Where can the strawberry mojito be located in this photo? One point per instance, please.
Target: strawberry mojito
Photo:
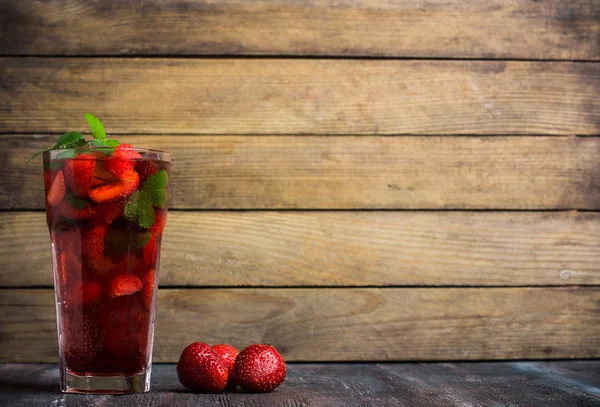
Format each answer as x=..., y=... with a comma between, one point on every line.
x=106, y=207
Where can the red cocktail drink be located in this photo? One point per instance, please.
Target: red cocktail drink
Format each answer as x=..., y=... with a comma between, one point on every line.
x=106, y=210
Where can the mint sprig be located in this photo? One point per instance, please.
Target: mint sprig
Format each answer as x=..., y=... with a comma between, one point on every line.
x=139, y=210
x=96, y=126
x=153, y=194
x=74, y=139
x=71, y=139
x=99, y=133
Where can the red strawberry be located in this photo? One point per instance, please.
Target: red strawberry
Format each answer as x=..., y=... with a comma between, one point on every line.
x=124, y=284
x=148, y=289
x=57, y=190
x=92, y=251
x=228, y=354
x=116, y=190
x=160, y=220
x=259, y=368
x=93, y=242
x=79, y=174
x=200, y=369
x=149, y=252
x=69, y=268
x=146, y=169
x=48, y=178
x=122, y=161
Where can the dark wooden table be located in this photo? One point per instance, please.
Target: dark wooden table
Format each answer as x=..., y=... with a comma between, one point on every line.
x=575, y=383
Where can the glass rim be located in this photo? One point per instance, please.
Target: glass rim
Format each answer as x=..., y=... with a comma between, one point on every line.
x=54, y=154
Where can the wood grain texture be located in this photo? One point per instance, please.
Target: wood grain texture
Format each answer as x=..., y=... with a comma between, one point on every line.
x=298, y=96
x=563, y=384
x=344, y=249
x=350, y=172
x=343, y=324
x=553, y=29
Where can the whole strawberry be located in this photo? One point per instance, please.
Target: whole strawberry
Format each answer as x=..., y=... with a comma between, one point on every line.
x=200, y=369
x=228, y=354
x=259, y=368
x=79, y=174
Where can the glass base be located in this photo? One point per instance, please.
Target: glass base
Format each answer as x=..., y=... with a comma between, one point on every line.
x=70, y=383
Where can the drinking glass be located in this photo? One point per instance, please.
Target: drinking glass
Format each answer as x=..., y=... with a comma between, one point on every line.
x=106, y=233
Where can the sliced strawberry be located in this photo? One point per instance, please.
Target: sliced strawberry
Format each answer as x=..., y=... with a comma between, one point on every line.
x=109, y=211
x=93, y=241
x=65, y=209
x=48, y=178
x=124, y=284
x=122, y=161
x=79, y=174
x=148, y=289
x=69, y=268
x=116, y=190
x=93, y=251
x=57, y=190
x=146, y=169
x=149, y=252
x=160, y=221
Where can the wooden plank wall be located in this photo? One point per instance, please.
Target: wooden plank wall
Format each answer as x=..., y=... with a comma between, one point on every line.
x=353, y=180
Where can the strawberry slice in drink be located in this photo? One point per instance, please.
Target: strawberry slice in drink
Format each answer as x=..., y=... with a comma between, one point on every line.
x=148, y=288
x=116, y=190
x=124, y=284
x=57, y=190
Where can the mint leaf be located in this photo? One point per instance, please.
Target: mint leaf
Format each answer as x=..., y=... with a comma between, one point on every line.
x=96, y=126
x=77, y=203
x=139, y=210
x=97, y=143
x=68, y=138
x=155, y=188
x=39, y=153
x=107, y=146
x=74, y=139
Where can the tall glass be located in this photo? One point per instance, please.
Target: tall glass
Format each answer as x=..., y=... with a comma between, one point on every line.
x=106, y=216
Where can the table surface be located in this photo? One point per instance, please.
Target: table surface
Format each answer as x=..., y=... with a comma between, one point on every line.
x=568, y=383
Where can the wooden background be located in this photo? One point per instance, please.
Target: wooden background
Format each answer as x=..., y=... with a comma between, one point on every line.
x=352, y=180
